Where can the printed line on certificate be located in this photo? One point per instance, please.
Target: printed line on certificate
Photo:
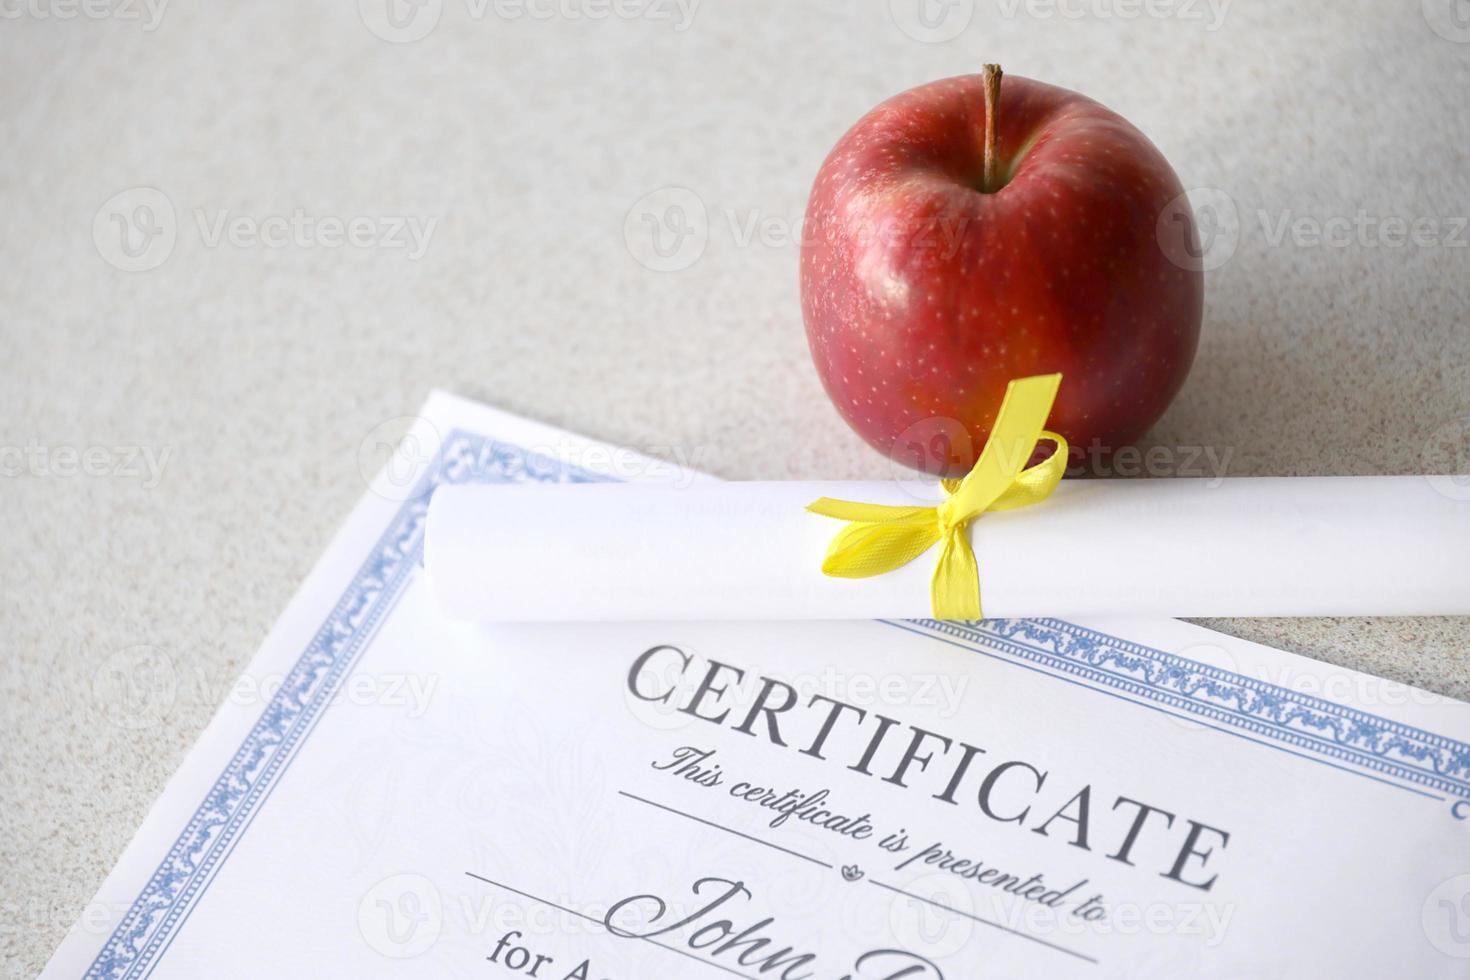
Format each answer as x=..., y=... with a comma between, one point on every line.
x=728, y=830
x=984, y=921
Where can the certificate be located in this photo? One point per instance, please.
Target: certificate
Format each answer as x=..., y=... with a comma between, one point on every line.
x=392, y=792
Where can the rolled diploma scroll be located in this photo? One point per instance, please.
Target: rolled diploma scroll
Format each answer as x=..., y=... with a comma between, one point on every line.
x=1312, y=546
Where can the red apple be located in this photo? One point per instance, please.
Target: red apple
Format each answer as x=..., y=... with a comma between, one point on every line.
x=925, y=291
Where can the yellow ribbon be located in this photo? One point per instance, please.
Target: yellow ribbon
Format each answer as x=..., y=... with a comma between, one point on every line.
x=880, y=538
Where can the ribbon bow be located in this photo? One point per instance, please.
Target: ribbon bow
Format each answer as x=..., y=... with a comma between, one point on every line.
x=880, y=538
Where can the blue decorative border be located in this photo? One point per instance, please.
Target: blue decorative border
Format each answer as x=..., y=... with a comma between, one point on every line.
x=1345, y=737
x=1402, y=753
x=150, y=924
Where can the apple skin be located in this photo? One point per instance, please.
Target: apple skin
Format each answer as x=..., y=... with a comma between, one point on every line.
x=923, y=295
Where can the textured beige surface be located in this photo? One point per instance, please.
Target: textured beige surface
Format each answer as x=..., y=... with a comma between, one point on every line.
x=263, y=371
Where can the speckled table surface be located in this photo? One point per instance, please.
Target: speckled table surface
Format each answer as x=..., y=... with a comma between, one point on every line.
x=184, y=420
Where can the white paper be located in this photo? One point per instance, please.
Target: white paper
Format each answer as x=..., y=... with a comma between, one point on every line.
x=388, y=793
x=1329, y=546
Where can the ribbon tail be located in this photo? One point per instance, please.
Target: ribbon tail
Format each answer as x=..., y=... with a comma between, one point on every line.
x=1035, y=484
x=850, y=510
x=862, y=549
x=955, y=589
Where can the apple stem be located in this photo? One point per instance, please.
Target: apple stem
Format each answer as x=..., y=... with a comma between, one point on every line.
x=991, y=179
